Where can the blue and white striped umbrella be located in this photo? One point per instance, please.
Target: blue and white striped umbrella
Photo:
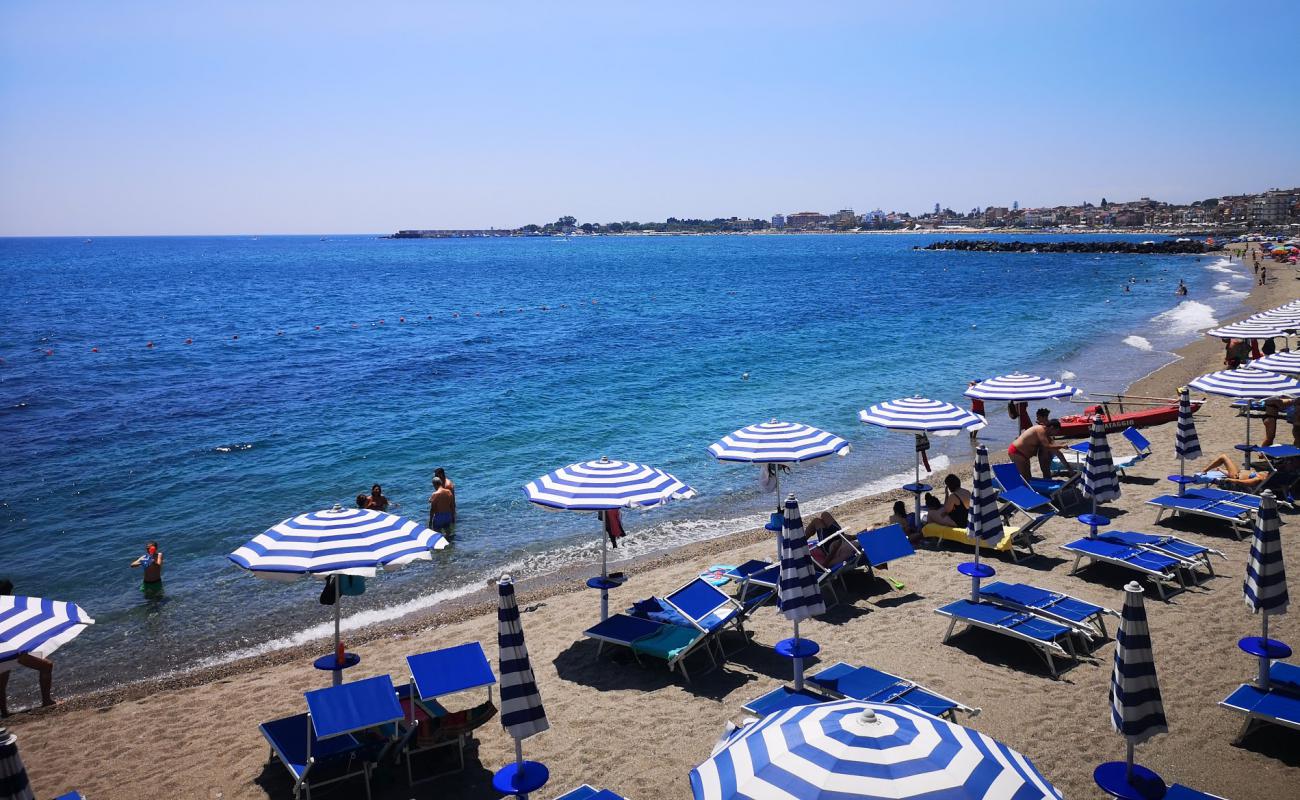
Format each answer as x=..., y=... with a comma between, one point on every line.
x=922, y=415
x=798, y=595
x=1246, y=383
x=522, y=714
x=778, y=443
x=32, y=625
x=1250, y=329
x=1265, y=584
x=1136, y=710
x=984, y=523
x=1187, y=445
x=1286, y=361
x=338, y=541
x=1018, y=386
x=850, y=749
x=605, y=484
x=1286, y=319
x=1100, y=482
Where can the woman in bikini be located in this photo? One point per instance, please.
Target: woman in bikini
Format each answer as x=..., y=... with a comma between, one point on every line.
x=955, y=512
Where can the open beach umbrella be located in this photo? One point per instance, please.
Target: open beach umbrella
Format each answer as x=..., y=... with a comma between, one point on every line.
x=1100, y=482
x=522, y=714
x=921, y=416
x=1248, y=329
x=1136, y=709
x=1186, y=443
x=35, y=626
x=1284, y=362
x=602, y=486
x=984, y=522
x=1246, y=383
x=851, y=749
x=778, y=443
x=335, y=542
x=1018, y=387
x=13, y=775
x=1265, y=584
x=797, y=593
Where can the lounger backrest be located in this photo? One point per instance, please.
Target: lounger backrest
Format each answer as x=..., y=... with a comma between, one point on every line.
x=1140, y=443
x=885, y=544
x=1008, y=477
x=354, y=706
x=450, y=670
x=702, y=603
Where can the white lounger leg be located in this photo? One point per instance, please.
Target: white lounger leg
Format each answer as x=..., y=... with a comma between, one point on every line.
x=948, y=635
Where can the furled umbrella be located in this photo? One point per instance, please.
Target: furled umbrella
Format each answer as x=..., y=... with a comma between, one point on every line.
x=983, y=523
x=775, y=445
x=337, y=542
x=1187, y=445
x=14, y=784
x=1265, y=584
x=604, y=486
x=1018, y=387
x=522, y=714
x=1100, y=481
x=851, y=749
x=1136, y=709
x=921, y=416
x=798, y=594
x=1246, y=383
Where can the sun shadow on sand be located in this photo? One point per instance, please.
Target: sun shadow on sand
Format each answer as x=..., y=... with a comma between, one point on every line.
x=1274, y=741
x=992, y=648
x=615, y=668
x=899, y=600
x=1202, y=526
x=1140, y=480
x=1117, y=578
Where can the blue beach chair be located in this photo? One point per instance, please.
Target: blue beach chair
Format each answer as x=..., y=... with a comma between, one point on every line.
x=709, y=609
x=754, y=574
x=1048, y=638
x=585, y=792
x=841, y=680
x=435, y=675
x=1278, y=705
x=324, y=739
x=666, y=642
x=883, y=546
x=1018, y=494
x=1191, y=554
x=1177, y=791
x=1086, y=618
x=1239, y=517
x=783, y=698
x=1160, y=569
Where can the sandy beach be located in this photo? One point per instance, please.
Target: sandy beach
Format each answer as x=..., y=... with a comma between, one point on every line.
x=639, y=730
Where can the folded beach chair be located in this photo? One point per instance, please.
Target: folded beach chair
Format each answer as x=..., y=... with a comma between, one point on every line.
x=1278, y=705
x=644, y=637
x=1191, y=554
x=439, y=674
x=1045, y=636
x=1086, y=618
x=1078, y=453
x=754, y=575
x=1239, y=517
x=842, y=680
x=321, y=746
x=881, y=547
x=1160, y=569
x=585, y=792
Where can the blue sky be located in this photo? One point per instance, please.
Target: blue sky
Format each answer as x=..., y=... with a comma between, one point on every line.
x=172, y=118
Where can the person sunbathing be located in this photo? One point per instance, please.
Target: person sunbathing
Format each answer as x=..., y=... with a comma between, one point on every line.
x=955, y=511
x=1225, y=470
x=819, y=526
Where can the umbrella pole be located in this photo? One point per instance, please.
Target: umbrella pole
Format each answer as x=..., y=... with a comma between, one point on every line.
x=1263, y=660
x=1128, y=770
x=338, y=616
x=519, y=762
x=1182, y=474
x=916, y=495
x=604, y=575
x=975, y=579
x=798, y=662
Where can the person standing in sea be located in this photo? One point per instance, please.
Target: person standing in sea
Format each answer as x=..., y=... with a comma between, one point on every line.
x=441, y=518
x=449, y=486
x=152, y=561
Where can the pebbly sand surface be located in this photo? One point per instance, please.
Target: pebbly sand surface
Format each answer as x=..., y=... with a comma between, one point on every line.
x=639, y=730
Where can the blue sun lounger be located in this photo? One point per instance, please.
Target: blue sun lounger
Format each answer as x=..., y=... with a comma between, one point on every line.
x=1278, y=705
x=585, y=792
x=754, y=574
x=1088, y=619
x=709, y=609
x=1177, y=791
x=1141, y=452
x=783, y=698
x=1045, y=636
x=1018, y=494
x=1191, y=554
x=668, y=643
x=1161, y=569
x=1238, y=517
x=325, y=737
x=841, y=680
x=438, y=674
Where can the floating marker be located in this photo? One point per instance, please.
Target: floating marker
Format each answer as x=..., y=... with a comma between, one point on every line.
x=279, y=333
x=401, y=319
x=317, y=327
x=149, y=345
x=189, y=341
x=49, y=352
x=94, y=349
x=236, y=336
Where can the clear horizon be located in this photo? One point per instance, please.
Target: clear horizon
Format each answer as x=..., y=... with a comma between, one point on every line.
x=244, y=119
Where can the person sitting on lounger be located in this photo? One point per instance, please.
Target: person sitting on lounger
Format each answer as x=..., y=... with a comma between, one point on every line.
x=819, y=526
x=1037, y=442
x=904, y=520
x=955, y=511
x=1225, y=470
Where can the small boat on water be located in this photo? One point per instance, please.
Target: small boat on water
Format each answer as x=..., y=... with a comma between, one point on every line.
x=1115, y=418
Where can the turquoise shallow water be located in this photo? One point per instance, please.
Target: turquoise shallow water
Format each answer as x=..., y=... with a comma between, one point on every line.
x=362, y=360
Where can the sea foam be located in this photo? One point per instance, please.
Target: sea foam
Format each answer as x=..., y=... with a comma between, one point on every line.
x=1188, y=316
x=1225, y=288
x=1138, y=342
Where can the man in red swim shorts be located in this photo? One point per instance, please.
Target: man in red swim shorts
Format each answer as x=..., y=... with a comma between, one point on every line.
x=1036, y=441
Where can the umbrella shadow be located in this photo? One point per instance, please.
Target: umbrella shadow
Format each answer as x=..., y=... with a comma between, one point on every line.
x=1273, y=741
x=842, y=613
x=762, y=659
x=474, y=781
x=1141, y=480
x=899, y=600
x=1042, y=562
x=617, y=668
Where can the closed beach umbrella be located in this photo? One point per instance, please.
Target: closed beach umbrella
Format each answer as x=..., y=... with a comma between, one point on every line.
x=1246, y=383
x=602, y=486
x=1186, y=443
x=38, y=627
x=13, y=775
x=522, y=714
x=851, y=749
x=1018, y=387
x=1136, y=710
x=1265, y=584
x=335, y=542
x=984, y=523
x=778, y=443
x=1100, y=482
x=921, y=416
x=797, y=593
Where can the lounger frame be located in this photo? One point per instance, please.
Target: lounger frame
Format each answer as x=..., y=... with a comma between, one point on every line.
x=677, y=662
x=1160, y=580
x=1095, y=629
x=1043, y=648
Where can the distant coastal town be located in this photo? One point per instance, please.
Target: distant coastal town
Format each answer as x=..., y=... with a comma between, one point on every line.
x=1273, y=210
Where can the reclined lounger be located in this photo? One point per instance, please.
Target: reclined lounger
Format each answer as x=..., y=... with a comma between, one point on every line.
x=1279, y=705
x=1086, y=618
x=1160, y=569
x=1011, y=535
x=1238, y=517
x=874, y=686
x=1044, y=635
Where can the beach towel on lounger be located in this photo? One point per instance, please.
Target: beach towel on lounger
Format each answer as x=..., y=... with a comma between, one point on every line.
x=666, y=643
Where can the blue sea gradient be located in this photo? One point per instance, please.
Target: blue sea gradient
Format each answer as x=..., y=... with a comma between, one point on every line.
x=362, y=360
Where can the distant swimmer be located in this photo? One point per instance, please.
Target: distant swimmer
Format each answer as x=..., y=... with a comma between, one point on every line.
x=1126, y=289
x=152, y=561
x=377, y=501
x=1181, y=291
x=744, y=376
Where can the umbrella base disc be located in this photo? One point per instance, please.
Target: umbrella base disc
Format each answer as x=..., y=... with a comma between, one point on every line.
x=1112, y=778
x=1264, y=648
x=973, y=570
x=330, y=662
x=797, y=648
x=917, y=488
x=521, y=778
x=1093, y=520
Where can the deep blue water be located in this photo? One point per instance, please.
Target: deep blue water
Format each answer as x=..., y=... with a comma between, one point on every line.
x=514, y=357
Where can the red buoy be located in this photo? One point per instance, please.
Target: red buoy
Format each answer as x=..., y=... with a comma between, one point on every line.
x=149, y=345
x=317, y=327
x=49, y=352
x=94, y=349
x=189, y=341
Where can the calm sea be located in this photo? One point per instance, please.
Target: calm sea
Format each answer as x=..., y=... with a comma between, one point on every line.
x=361, y=360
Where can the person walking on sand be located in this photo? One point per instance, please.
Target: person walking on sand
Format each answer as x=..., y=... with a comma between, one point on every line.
x=440, y=505
x=449, y=486
x=43, y=666
x=1037, y=442
x=152, y=561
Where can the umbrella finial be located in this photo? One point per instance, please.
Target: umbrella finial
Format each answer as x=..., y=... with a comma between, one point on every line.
x=604, y=459
x=1133, y=586
x=505, y=578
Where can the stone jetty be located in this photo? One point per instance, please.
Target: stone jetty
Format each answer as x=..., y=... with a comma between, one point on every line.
x=1166, y=247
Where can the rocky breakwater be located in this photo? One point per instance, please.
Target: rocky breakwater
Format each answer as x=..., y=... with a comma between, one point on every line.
x=1168, y=247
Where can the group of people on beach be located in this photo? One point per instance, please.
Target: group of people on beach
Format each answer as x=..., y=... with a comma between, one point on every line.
x=442, y=502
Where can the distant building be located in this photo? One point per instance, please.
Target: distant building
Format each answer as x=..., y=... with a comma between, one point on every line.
x=845, y=216
x=806, y=219
x=1038, y=218
x=996, y=215
x=1270, y=208
x=873, y=217
x=778, y=220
